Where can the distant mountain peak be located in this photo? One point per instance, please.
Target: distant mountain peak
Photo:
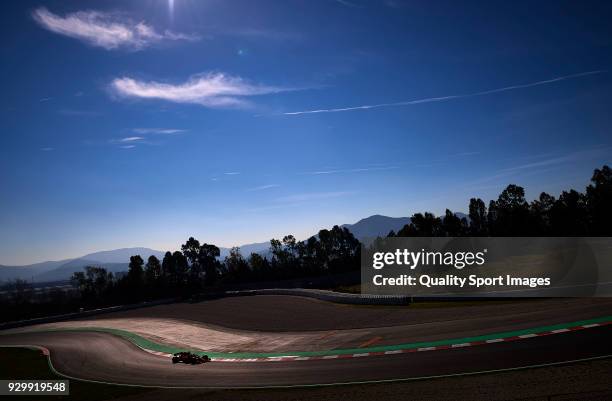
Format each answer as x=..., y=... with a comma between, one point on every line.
x=122, y=255
x=376, y=225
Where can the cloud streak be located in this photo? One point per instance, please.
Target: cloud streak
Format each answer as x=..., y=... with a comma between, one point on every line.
x=571, y=157
x=128, y=142
x=446, y=98
x=131, y=139
x=351, y=170
x=106, y=30
x=212, y=90
x=159, y=131
x=263, y=187
x=543, y=165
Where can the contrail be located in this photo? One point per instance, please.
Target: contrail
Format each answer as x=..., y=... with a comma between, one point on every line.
x=444, y=98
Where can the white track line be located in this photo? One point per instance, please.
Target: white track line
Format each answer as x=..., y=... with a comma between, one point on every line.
x=287, y=358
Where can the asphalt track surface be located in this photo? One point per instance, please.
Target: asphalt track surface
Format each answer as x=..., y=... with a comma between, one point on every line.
x=107, y=358
x=289, y=324
x=281, y=313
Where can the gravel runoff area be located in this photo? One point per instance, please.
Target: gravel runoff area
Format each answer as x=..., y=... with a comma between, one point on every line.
x=209, y=326
x=291, y=313
x=193, y=335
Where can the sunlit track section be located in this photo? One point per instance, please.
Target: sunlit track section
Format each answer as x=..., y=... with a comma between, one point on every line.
x=409, y=348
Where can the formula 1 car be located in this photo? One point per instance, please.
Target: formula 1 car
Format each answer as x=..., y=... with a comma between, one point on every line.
x=189, y=358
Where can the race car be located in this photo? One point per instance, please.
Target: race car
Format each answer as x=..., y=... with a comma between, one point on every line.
x=189, y=358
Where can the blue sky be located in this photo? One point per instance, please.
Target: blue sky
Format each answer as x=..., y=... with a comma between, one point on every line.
x=140, y=123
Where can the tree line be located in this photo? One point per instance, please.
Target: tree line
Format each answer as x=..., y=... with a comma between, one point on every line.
x=197, y=267
x=573, y=213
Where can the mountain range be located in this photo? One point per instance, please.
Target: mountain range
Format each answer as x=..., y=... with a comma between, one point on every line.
x=117, y=260
x=366, y=230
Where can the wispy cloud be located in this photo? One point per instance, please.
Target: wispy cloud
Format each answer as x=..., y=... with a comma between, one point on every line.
x=351, y=170
x=209, y=90
x=544, y=164
x=446, y=98
x=568, y=158
x=263, y=187
x=232, y=173
x=45, y=99
x=160, y=131
x=107, y=30
x=47, y=149
x=145, y=137
x=131, y=139
x=312, y=196
x=128, y=142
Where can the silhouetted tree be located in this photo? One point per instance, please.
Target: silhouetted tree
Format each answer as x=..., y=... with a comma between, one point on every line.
x=133, y=282
x=540, y=212
x=312, y=257
x=599, y=199
x=569, y=215
x=339, y=249
x=180, y=268
x=478, y=217
x=153, y=269
x=135, y=274
x=452, y=225
x=260, y=266
x=208, y=259
x=192, y=251
x=95, y=284
x=422, y=225
x=153, y=272
x=168, y=271
x=236, y=267
x=511, y=212
x=174, y=270
x=491, y=216
x=282, y=257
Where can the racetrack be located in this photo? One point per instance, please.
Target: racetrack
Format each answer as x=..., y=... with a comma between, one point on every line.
x=102, y=356
x=107, y=358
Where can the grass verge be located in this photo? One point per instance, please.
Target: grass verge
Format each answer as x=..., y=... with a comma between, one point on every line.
x=31, y=364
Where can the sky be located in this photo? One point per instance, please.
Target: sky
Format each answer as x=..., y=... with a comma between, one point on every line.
x=141, y=123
